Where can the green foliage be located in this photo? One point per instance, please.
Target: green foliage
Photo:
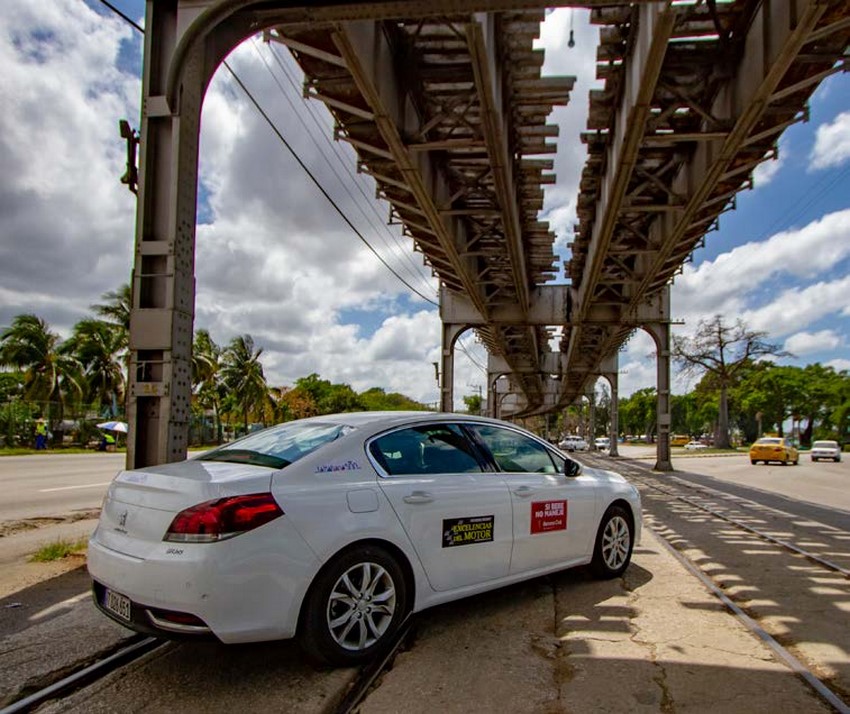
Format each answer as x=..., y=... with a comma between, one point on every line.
x=58, y=549
x=473, y=403
x=376, y=399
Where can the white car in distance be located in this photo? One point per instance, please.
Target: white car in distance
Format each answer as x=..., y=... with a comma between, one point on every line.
x=602, y=443
x=573, y=443
x=333, y=529
x=826, y=450
x=695, y=446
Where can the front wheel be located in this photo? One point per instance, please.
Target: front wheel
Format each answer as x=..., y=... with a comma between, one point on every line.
x=614, y=542
x=753, y=462
x=354, y=607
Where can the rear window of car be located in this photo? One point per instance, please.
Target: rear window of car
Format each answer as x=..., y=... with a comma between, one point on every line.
x=280, y=445
x=769, y=441
x=825, y=445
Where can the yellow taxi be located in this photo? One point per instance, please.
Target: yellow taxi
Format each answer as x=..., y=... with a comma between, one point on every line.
x=774, y=448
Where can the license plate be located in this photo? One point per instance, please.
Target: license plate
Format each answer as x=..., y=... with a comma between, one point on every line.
x=117, y=604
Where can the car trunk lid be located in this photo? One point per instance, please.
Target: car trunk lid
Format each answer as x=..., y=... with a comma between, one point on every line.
x=140, y=504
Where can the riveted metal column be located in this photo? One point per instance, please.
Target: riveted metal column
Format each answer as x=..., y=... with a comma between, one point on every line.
x=447, y=365
x=611, y=372
x=163, y=280
x=660, y=332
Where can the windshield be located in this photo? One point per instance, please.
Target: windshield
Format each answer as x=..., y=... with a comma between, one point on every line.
x=278, y=446
x=769, y=441
x=825, y=444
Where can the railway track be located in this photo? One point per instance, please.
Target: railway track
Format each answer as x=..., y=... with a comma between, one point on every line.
x=140, y=647
x=771, y=568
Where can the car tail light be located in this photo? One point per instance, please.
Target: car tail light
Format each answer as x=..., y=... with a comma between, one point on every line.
x=222, y=518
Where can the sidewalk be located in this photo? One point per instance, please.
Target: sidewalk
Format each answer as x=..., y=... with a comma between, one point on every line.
x=653, y=641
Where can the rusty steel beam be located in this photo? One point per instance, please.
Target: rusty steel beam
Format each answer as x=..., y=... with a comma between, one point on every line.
x=779, y=31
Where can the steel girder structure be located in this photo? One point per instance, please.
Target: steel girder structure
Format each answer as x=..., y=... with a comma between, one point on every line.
x=696, y=96
x=448, y=132
x=448, y=115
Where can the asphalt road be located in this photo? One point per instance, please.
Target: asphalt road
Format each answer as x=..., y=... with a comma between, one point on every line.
x=54, y=484
x=825, y=485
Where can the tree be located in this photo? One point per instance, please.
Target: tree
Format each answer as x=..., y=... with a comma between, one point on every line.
x=100, y=349
x=638, y=413
x=473, y=403
x=50, y=375
x=207, y=376
x=722, y=351
x=242, y=374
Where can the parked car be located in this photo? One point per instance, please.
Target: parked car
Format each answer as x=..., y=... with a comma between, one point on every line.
x=826, y=450
x=332, y=529
x=573, y=443
x=602, y=443
x=695, y=446
x=774, y=448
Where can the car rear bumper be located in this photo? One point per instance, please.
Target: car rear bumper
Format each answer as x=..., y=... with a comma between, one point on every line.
x=240, y=592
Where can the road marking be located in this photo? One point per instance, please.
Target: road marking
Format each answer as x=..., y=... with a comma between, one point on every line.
x=69, y=488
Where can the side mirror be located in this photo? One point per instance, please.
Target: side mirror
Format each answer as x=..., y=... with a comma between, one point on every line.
x=572, y=468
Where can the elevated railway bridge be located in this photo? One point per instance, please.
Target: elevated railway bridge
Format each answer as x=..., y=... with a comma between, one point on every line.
x=445, y=105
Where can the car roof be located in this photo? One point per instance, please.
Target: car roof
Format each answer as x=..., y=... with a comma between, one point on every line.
x=382, y=419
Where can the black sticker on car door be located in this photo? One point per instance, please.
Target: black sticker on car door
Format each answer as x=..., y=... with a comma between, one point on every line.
x=467, y=531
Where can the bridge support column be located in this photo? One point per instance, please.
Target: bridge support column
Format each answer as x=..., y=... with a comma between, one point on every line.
x=451, y=332
x=660, y=332
x=611, y=372
x=591, y=417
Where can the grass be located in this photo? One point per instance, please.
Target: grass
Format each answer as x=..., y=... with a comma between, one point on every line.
x=58, y=549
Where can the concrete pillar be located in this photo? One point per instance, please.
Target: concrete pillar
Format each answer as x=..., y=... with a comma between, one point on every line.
x=591, y=419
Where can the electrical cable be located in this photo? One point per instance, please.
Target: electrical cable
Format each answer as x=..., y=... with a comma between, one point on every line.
x=319, y=186
x=298, y=159
x=399, y=250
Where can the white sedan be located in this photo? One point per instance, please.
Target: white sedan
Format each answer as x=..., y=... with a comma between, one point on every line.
x=695, y=446
x=333, y=529
x=826, y=449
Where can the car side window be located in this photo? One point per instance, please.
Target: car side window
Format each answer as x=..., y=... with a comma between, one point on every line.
x=427, y=449
x=515, y=452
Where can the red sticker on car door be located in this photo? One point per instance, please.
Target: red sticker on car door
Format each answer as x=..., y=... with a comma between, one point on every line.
x=548, y=516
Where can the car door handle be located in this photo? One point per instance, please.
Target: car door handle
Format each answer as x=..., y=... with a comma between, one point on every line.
x=523, y=491
x=418, y=497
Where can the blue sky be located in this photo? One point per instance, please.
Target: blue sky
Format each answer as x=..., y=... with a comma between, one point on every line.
x=274, y=260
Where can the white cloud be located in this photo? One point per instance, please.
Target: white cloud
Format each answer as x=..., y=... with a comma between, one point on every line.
x=803, y=343
x=724, y=285
x=796, y=308
x=839, y=364
x=766, y=171
x=67, y=222
x=832, y=143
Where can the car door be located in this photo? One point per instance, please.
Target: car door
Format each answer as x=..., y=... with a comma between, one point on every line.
x=554, y=515
x=455, y=510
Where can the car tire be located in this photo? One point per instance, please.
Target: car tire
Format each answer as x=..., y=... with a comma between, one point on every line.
x=814, y=459
x=333, y=630
x=614, y=542
x=753, y=462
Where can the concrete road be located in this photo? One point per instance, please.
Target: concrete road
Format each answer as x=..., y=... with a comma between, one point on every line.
x=47, y=485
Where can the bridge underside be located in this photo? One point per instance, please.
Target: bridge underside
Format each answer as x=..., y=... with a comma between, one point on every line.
x=446, y=108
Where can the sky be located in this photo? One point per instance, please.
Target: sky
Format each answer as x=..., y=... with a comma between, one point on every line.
x=276, y=261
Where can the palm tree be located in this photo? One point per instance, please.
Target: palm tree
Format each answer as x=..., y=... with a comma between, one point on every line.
x=50, y=374
x=242, y=374
x=100, y=349
x=206, y=375
x=116, y=313
x=117, y=310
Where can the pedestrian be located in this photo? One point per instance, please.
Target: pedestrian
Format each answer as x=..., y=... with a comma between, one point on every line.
x=40, y=435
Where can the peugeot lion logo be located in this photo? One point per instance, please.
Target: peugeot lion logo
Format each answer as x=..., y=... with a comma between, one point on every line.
x=122, y=519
